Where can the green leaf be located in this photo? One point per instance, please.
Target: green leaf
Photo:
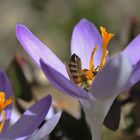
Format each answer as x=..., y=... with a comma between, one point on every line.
x=20, y=84
x=112, y=119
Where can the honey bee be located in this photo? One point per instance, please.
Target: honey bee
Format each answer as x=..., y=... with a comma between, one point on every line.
x=77, y=75
x=75, y=70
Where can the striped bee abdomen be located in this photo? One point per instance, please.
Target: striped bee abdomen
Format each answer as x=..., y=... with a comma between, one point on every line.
x=75, y=69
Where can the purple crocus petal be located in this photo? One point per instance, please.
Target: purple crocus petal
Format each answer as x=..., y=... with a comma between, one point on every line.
x=20, y=138
x=31, y=119
x=62, y=83
x=133, y=49
x=47, y=128
x=106, y=86
x=135, y=76
x=85, y=37
x=113, y=77
x=5, y=86
x=37, y=50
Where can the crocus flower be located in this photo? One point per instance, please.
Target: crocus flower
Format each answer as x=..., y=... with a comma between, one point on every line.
x=27, y=125
x=104, y=78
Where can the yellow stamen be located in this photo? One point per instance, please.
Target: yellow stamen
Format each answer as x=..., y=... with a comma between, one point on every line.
x=91, y=64
x=3, y=104
x=106, y=38
x=3, y=120
x=89, y=74
x=8, y=102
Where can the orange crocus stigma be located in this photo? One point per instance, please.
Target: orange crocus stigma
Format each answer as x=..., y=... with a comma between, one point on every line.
x=106, y=37
x=3, y=104
x=90, y=73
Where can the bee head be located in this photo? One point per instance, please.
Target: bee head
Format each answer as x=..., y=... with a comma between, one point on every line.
x=74, y=58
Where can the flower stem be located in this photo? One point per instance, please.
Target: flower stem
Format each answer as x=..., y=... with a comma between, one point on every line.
x=95, y=125
x=94, y=122
x=96, y=131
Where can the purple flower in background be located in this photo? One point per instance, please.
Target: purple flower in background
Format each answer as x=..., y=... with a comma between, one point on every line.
x=27, y=126
x=98, y=79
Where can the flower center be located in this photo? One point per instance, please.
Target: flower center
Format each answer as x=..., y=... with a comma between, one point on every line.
x=3, y=104
x=85, y=77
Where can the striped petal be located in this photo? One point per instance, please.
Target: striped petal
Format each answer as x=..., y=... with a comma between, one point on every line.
x=133, y=50
x=135, y=76
x=62, y=83
x=85, y=38
x=112, y=79
x=47, y=128
x=31, y=119
x=37, y=50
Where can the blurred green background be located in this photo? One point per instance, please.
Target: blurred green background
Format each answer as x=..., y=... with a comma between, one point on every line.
x=52, y=21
